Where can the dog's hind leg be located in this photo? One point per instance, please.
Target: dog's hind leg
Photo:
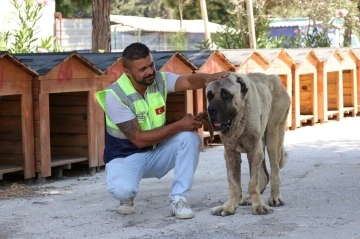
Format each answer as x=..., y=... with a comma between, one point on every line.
x=256, y=156
x=275, y=148
x=264, y=175
x=233, y=168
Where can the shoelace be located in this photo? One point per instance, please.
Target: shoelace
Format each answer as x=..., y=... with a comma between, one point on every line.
x=181, y=204
x=128, y=203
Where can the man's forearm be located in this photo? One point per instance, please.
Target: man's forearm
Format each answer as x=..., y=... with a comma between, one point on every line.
x=197, y=80
x=155, y=136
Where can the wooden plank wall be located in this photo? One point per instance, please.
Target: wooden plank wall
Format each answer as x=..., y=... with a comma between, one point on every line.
x=68, y=125
x=11, y=147
x=332, y=90
x=348, y=87
x=175, y=106
x=306, y=94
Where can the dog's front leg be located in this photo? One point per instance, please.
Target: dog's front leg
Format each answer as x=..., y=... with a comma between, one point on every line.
x=256, y=156
x=233, y=168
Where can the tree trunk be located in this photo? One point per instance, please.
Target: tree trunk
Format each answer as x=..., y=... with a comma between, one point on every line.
x=205, y=18
x=244, y=37
x=251, y=24
x=181, y=14
x=101, y=26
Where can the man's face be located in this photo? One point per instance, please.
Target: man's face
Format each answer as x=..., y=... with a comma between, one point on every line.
x=142, y=71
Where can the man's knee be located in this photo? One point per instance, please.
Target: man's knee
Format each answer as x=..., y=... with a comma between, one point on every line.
x=190, y=137
x=122, y=192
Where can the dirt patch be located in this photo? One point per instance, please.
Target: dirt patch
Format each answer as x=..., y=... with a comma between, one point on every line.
x=16, y=190
x=19, y=190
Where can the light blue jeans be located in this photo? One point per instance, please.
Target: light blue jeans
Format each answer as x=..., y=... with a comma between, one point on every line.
x=180, y=151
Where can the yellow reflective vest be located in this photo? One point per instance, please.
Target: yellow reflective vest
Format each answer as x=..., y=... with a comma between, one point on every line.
x=150, y=111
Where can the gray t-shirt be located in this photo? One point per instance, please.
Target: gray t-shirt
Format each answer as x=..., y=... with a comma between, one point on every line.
x=118, y=113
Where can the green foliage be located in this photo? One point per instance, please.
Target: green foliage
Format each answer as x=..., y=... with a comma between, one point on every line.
x=24, y=39
x=332, y=14
x=217, y=10
x=205, y=45
x=264, y=40
x=49, y=43
x=179, y=41
x=4, y=39
x=141, y=8
x=316, y=39
x=229, y=38
x=74, y=8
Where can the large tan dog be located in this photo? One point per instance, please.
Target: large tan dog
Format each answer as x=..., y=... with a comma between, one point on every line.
x=250, y=112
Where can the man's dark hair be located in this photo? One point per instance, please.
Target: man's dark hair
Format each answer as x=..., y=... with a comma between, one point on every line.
x=134, y=51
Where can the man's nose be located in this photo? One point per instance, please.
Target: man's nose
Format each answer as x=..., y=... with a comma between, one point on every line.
x=150, y=70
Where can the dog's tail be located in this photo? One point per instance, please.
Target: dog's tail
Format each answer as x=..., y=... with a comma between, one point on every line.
x=283, y=157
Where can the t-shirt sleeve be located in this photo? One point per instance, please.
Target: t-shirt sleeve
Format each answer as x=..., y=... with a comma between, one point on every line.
x=116, y=111
x=171, y=79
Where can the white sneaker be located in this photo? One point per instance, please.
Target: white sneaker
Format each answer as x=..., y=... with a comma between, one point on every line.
x=127, y=207
x=180, y=209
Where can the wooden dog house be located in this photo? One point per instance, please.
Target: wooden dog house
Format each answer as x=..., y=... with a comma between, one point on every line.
x=280, y=63
x=246, y=60
x=357, y=53
x=16, y=117
x=111, y=66
x=304, y=81
x=64, y=111
x=330, y=84
x=349, y=76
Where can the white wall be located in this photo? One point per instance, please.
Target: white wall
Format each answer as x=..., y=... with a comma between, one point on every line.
x=74, y=34
x=9, y=20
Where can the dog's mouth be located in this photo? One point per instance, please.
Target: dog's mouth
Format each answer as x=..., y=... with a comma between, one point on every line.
x=217, y=126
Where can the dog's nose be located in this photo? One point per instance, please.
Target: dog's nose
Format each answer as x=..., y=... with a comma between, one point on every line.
x=212, y=109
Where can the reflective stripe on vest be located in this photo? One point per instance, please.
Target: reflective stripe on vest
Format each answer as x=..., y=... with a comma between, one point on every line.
x=149, y=112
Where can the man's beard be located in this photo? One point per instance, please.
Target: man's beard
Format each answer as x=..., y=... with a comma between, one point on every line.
x=147, y=80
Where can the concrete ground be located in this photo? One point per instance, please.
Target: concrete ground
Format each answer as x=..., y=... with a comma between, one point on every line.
x=320, y=186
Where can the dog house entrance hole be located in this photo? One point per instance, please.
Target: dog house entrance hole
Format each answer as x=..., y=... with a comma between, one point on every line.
x=69, y=128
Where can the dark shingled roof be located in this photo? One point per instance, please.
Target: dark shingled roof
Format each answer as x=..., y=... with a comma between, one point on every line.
x=198, y=58
x=103, y=61
x=236, y=56
x=269, y=54
x=299, y=55
x=162, y=57
x=324, y=53
x=43, y=63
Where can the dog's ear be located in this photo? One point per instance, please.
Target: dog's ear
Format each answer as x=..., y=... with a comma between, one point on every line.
x=244, y=89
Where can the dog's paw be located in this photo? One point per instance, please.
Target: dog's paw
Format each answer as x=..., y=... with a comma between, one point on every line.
x=222, y=210
x=261, y=209
x=246, y=201
x=276, y=201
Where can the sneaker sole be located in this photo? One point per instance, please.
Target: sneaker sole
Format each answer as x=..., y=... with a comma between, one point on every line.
x=125, y=212
x=189, y=216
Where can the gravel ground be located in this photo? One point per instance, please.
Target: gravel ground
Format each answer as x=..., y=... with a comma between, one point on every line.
x=319, y=185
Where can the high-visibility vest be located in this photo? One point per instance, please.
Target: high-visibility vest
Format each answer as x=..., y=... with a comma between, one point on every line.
x=150, y=111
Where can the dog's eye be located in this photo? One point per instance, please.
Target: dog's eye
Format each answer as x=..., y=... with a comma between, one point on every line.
x=210, y=95
x=225, y=95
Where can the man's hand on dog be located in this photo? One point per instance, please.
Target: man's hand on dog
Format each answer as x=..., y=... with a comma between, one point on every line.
x=216, y=76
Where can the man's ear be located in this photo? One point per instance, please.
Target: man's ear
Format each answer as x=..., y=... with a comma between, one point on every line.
x=126, y=71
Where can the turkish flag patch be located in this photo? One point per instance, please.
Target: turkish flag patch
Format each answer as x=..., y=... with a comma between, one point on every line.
x=160, y=110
